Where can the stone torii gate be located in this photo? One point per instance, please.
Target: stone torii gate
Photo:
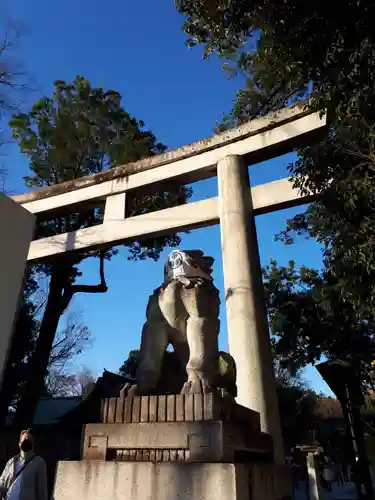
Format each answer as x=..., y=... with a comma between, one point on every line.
x=226, y=156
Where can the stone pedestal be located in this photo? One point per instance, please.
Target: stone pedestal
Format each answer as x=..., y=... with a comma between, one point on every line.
x=101, y=480
x=150, y=481
x=196, y=447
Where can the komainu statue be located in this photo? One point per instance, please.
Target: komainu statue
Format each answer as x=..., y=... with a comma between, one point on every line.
x=184, y=312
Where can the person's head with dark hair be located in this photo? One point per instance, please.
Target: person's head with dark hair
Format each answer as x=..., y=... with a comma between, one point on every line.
x=26, y=441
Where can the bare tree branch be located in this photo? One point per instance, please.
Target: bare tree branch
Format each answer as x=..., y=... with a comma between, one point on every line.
x=61, y=383
x=70, y=290
x=13, y=79
x=70, y=341
x=100, y=288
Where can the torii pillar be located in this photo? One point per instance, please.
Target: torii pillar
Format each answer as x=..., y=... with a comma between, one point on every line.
x=16, y=230
x=247, y=324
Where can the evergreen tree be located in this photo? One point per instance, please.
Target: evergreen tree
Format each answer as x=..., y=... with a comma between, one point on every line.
x=80, y=131
x=325, y=51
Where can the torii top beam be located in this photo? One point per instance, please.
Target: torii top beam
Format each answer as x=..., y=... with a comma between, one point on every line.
x=256, y=141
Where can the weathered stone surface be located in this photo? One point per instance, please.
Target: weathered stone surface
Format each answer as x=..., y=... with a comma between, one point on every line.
x=112, y=403
x=198, y=406
x=208, y=441
x=170, y=481
x=179, y=408
x=267, y=198
x=97, y=446
x=162, y=408
x=248, y=332
x=119, y=415
x=270, y=482
x=128, y=410
x=136, y=413
x=151, y=481
x=171, y=408
x=16, y=228
x=189, y=407
x=260, y=125
x=153, y=409
x=145, y=409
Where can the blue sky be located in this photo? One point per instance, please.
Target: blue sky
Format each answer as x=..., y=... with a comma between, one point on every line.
x=138, y=48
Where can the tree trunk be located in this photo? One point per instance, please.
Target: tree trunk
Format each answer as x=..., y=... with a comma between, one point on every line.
x=8, y=385
x=37, y=367
x=20, y=347
x=11, y=381
x=60, y=294
x=7, y=392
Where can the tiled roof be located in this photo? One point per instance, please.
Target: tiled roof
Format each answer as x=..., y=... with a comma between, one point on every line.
x=49, y=410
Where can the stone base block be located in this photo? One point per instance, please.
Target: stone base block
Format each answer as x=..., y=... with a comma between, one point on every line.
x=178, y=408
x=204, y=441
x=100, y=480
